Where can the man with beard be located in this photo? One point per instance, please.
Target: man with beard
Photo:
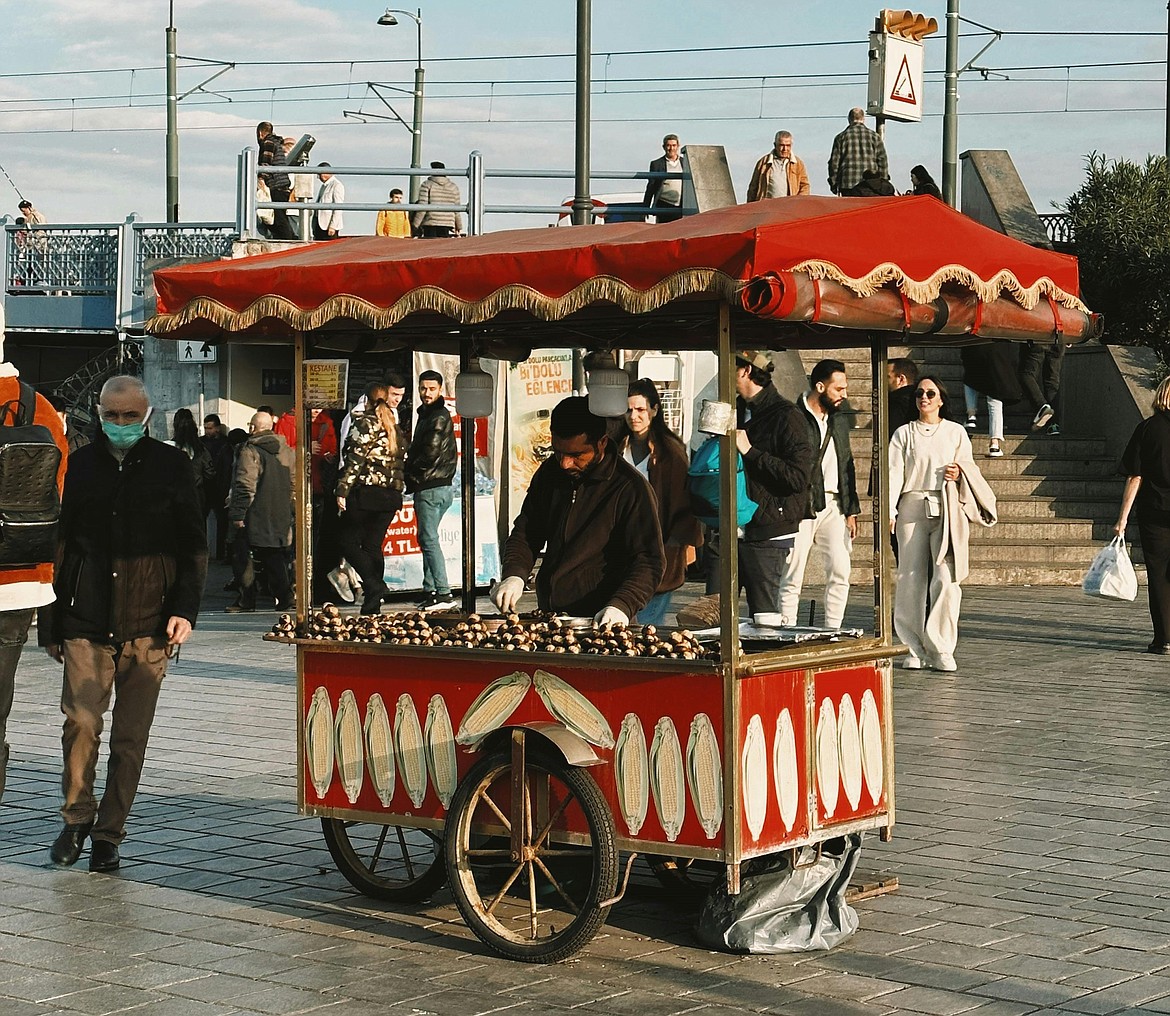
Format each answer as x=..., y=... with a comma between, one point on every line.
x=833, y=503
x=594, y=517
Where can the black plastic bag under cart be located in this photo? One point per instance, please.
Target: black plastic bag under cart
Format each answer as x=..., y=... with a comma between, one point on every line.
x=781, y=909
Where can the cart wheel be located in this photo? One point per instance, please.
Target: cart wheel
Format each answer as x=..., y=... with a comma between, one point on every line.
x=387, y=862
x=545, y=906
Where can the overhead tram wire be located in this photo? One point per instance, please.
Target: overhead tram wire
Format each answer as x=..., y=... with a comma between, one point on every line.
x=770, y=82
x=544, y=121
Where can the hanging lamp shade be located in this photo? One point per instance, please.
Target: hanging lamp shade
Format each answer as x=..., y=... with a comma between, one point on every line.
x=609, y=386
x=475, y=391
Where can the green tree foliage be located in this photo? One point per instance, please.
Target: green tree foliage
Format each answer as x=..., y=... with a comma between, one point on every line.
x=1121, y=221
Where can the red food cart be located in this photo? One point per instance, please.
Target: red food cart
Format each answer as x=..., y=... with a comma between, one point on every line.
x=523, y=775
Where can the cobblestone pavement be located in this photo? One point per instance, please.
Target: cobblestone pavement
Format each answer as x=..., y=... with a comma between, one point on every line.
x=1031, y=847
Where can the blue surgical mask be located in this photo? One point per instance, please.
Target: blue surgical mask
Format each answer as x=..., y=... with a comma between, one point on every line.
x=125, y=436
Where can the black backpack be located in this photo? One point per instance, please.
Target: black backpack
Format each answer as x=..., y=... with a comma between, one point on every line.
x=30, y=507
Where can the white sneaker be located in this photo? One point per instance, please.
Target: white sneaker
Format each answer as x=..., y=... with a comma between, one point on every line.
x=972, y=423
x=946, y=663
x=355, y=580
x=911, y=662
x=1043, y=415
x=340, y=581
x=995, y=452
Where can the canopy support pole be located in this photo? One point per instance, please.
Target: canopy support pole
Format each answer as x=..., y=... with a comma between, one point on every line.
x=467, y=478
x=729, y=602
x=883, y=606
x=302, y=499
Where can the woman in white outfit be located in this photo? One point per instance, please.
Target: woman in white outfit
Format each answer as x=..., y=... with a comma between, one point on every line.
x=924, y=454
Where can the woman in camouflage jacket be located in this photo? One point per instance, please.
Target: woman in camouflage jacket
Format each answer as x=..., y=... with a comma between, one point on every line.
x=369, y=493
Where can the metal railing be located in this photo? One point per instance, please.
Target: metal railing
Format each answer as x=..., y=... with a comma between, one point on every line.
x=61, y=260
x=156, y=243
x=1059, y=227
x=475, y=174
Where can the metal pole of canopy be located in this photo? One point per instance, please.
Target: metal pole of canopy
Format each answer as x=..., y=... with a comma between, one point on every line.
x=729, y=601
x=301, y=498
x=467, y=477
x=883, y=605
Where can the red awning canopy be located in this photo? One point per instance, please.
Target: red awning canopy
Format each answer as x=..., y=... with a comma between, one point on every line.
x=861, y=263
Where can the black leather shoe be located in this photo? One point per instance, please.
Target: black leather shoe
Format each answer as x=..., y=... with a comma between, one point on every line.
x=66, y=848
x=103, y=856
x=1159, y=648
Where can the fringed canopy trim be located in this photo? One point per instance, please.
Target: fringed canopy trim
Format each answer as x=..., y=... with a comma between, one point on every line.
x=927, y=290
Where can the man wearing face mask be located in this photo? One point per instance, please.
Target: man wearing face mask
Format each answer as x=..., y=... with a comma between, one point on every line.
x=132, y=566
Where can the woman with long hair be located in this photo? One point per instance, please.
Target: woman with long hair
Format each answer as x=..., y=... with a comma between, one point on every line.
x=185, y=436
x=924, y=454
x=1146, y=465
x=369, y=493
x=922, y=182
x=659, y=454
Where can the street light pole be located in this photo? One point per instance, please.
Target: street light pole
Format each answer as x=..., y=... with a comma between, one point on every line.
x=417, y=121
x=172, y=120
x=951, y=109
x=582, y=202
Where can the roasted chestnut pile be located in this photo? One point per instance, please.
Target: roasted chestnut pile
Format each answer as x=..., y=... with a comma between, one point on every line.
x=543, y=634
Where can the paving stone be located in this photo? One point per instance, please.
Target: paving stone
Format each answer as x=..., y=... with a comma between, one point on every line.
x=931, y=1000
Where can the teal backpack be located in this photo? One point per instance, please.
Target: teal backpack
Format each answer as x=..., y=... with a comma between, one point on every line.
x=703, y=486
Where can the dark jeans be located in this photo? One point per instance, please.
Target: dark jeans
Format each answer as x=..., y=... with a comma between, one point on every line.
x=275, y=563
x=761, y=566
x=436, y=232
x=1154, y=530
x=13, y=632
x=666, y=213
x=1040, y=364
x=282, y=228
x=360, y=537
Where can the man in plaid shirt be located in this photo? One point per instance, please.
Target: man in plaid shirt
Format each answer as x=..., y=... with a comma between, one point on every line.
x=855, y=150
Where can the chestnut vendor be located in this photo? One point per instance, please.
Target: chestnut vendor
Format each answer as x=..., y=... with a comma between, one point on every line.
x=593, y=515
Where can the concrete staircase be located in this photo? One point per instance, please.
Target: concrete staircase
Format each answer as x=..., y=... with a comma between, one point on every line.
x=1057, y=497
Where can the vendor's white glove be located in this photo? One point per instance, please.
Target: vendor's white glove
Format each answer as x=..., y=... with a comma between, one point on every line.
x=506, y=594
x=610, y=615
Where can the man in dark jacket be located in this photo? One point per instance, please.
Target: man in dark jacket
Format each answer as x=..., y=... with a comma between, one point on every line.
x=262, y=506
x=833, y=502
x=594, y=516
x=777, y=461
x=430, y=467
x=663, y=195
x=133, y=561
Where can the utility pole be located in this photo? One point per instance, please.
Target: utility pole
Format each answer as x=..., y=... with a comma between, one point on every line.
x=417, y=125
x=951, y=109
x=1168, y=81
x=172, y=120
x=582, y=202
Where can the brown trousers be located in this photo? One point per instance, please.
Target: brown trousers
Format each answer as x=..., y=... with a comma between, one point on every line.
x=133, y=672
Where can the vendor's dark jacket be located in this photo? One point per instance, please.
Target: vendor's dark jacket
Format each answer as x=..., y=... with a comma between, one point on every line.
x=601, y=538
x=777, y=466
x=133, y=548
x=432, y=455
x=839, y=428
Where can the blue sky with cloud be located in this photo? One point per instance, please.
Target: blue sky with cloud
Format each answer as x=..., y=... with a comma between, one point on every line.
x=90, y=146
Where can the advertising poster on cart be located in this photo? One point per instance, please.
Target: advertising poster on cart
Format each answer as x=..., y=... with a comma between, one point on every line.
x=534, y=388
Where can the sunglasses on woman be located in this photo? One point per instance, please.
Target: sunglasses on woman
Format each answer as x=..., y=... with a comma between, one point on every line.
x=925, y=393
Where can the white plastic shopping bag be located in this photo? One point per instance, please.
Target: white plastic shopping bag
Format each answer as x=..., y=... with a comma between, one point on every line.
x=1111, y=574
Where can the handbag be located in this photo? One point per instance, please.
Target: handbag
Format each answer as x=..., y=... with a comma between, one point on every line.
x=1111, y=574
